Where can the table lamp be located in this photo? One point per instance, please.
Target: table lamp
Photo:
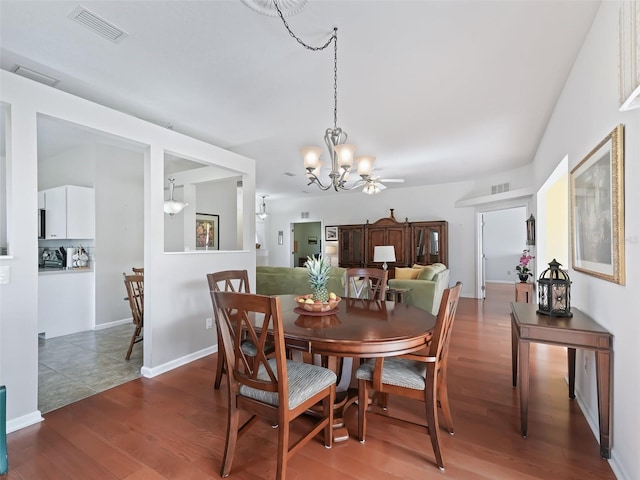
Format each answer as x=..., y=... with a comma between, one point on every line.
x=384, y=254
x=330, y=251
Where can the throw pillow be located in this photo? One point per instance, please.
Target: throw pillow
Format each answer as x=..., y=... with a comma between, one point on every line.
x=427, y=273
x=407, y=273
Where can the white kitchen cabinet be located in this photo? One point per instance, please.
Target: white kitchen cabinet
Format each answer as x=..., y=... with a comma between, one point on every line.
x=66, y=302
x=70, y=212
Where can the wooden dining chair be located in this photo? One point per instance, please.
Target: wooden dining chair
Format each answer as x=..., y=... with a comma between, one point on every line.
x=134, y=285
x=368, y=283
x=227, y=281
x=416, y=376
x=275, y=388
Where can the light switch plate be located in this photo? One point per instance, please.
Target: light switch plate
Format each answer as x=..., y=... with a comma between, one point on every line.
x=5, y=275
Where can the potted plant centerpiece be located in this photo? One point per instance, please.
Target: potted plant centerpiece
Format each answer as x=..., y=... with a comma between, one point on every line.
x=524, y=272
x=320, y=300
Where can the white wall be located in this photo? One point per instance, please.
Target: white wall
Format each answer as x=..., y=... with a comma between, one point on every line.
x=177, y=300
x=219, y=198
x=504, y=239
x=586, y=112
x=119, y=193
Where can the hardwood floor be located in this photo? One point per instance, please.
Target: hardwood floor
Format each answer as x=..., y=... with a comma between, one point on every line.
x=173, y=426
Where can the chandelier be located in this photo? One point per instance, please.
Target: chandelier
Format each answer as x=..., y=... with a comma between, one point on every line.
x=340, y=152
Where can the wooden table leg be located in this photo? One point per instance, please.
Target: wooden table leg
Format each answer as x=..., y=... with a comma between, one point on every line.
x=604, y=375
x=523, y=353
x=571, y=360
x=514, y=353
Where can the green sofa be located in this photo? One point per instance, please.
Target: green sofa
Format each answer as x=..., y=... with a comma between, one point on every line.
x=426, y=290
x=294, y=281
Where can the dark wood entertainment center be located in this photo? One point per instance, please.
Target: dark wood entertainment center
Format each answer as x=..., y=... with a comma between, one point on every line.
x=415, y=242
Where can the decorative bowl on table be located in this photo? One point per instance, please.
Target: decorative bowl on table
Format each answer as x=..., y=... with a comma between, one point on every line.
x=302, y=301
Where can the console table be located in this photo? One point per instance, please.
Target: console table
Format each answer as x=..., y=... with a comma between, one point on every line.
x=579, y=331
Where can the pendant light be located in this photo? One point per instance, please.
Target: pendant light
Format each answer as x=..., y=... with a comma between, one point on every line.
x=172, y=206
x=262, y=213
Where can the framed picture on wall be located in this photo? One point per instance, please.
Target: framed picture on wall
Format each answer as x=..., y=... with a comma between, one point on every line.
x=331, y=234
x=597, y=210
x=207, y=231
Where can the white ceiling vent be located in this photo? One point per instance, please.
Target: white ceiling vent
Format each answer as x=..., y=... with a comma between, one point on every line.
x=98, y=24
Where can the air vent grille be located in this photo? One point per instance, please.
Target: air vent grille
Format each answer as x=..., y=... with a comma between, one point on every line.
x=98, y=24
x=37, y=76
x=500, y=188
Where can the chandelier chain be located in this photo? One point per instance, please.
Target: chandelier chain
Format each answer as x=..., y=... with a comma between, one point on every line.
x=334, y=39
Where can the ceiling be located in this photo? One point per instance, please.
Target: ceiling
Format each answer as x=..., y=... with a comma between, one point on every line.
x=438, y=91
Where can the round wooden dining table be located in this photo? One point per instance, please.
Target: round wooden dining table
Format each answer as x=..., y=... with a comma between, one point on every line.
x=358, y=328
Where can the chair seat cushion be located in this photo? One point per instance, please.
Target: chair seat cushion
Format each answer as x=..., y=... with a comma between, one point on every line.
x=396, y=371
x=304, y=381
x=249, y=348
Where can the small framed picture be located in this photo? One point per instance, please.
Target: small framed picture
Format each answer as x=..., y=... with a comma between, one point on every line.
x=312, y=240
x=331, y=234
x=207, y=232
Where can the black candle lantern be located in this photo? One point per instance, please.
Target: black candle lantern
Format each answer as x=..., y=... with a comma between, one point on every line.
x=531, y=230
x=554, y=291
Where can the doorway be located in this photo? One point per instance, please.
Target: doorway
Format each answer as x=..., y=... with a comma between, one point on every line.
x=307, y=242
x=501, y=239
x=84, y=321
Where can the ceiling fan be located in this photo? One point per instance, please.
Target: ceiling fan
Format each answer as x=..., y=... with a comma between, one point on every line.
x=373, y=184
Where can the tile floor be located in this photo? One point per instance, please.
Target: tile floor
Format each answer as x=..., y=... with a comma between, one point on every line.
x=76, y=366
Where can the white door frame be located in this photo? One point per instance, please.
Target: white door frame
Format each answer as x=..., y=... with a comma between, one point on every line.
x=480, y=211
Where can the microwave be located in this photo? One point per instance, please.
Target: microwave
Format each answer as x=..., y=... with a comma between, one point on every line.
x=41, y=223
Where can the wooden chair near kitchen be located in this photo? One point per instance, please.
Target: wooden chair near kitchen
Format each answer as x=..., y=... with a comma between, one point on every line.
x=135, y=294
x=138, y=270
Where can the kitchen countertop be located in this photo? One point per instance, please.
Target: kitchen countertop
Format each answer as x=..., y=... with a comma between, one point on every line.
x=53, y=270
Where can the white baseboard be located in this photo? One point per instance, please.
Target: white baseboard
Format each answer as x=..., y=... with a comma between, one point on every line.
x=115, y=323
x=178, y=362
x=24, y=421
x=592, y=420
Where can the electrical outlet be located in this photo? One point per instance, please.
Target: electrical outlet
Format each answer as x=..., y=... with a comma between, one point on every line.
x=208, y=322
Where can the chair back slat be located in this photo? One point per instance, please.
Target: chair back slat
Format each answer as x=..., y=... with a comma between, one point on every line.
x=256, y=318
x=368, y=283
x=439, y=346
x=229, y=281
x=135, y=294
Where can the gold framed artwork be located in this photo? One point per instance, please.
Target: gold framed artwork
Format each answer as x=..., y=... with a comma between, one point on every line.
x=629, y=51
x=597, y=210
x=207, y=232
